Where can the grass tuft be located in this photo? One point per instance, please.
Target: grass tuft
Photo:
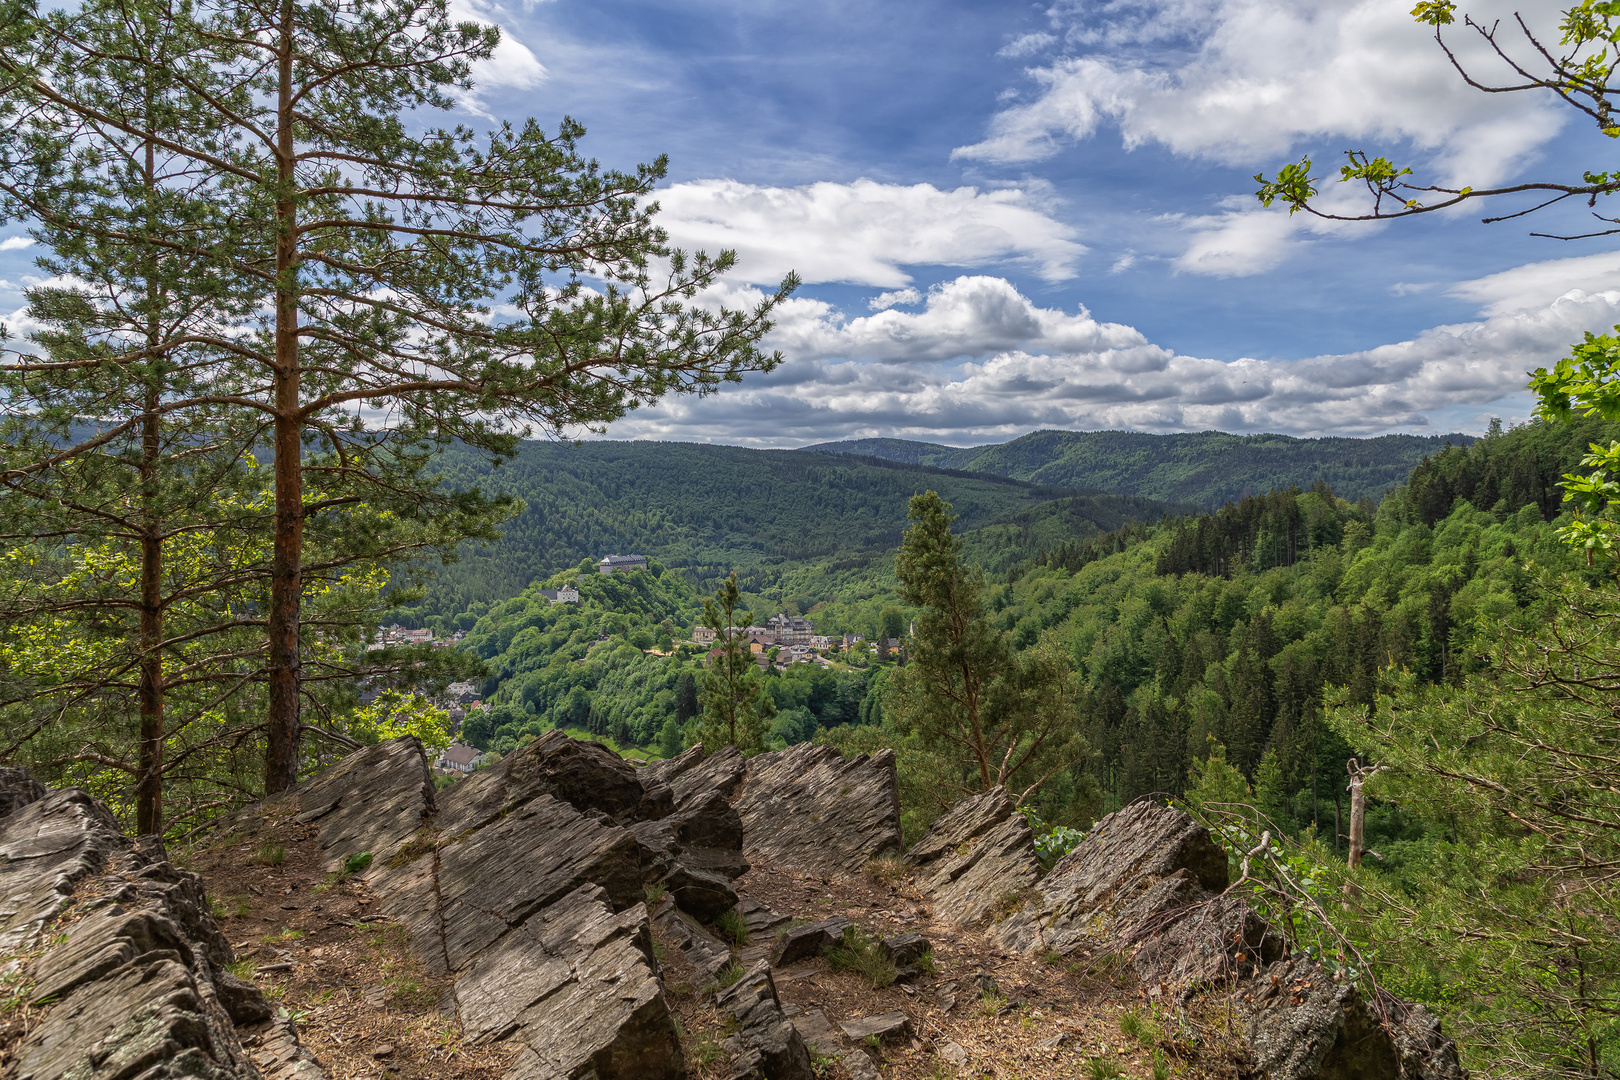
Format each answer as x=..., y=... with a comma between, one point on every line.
x=1141, y=1028
x=861, y=953
x=1102, y=1069
x=270, y=853
x=730, y=974
x=732, y=927
x=890, y=870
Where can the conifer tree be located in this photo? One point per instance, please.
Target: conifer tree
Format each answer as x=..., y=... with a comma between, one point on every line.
x=1007, y=720
x=412, y=284
x=736, y=710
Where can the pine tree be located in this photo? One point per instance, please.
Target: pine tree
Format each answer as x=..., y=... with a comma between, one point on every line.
x=379, y=247
x=736, y=710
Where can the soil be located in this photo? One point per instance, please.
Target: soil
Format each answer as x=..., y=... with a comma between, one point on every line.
x=361, y=1003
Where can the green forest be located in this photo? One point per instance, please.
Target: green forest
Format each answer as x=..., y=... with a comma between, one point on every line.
x=1206, y=469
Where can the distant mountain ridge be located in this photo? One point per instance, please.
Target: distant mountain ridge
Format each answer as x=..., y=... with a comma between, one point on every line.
x=1206, y=468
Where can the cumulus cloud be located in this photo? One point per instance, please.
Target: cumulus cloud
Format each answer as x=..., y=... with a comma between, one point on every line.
x=887, y=300
x=513, y=66
x=983, y=362
x=1540, y=283
x=865, y=232
x=15, y=243
x=1257, y=78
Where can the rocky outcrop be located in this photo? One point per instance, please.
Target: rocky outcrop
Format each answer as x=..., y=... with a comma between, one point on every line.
x=767, y=1044
x=1147, y=883
x=810, y=808
x=125, y=961
x=524, y=885
x=978, y=859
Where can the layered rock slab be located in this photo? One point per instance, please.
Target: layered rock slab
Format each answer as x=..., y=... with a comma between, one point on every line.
x=138, y=983
x=810, y=808
x=521, y=884
x=977, y=859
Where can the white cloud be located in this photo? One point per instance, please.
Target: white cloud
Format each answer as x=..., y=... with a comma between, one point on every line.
x=1268, y=76
x=1538, y=284
x=1027, y=45
x=982, y=362
x=887, y=300
x=513, y=66
x=866, y=232
x=15, y=243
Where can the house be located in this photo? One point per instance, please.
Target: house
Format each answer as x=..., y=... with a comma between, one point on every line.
x=459, y=757
x=621, y=564
x=850, y=639
x=565, y=595
x=798, y=654
x=460, y=693
x=703, y=635
x=790, y=629
x=821, y=642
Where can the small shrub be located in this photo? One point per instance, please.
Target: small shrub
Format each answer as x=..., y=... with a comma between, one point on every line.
x=926, y=963
x=357, y=863
x=861, y=953
x=732, y=927
x=655, y=892
x=270, y=853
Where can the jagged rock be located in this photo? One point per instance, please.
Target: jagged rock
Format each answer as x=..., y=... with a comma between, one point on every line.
x=587, y=776
x=1180, y=936
x=277, y=1054
x=802, y=942
x=519, y=883
x=889, y=1025
x=721, y=771
x=704, y=834
x=705, y=952
x=1302, y=1024
x=375, y=799
x=977, y=859
x=699, y=893
x=770, y=1044
x=665, y=771
x=574, y=985
x=760, y=919
x=474, y=886
x=905, y=952
x=1123, y=855
x=825, y=1040
x=18, y=788
x=137, y=984
x=809, y=808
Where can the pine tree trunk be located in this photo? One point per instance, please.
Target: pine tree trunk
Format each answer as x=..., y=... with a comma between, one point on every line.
x=149, y=769
x=286, y=567
x=1358, y=818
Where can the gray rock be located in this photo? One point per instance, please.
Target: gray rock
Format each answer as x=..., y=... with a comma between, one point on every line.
x=137, y=982
x=887, y=1026
x=954, y=1053
x=906, y=952
x=809, y=808
x=721, y=771
x=586, y=776
x=704, y=834
x=699, y=893
x=575, y=987
x=277, y=1053
x=665, y=771
x=376, y=799
x=770, y=1044
x=1091, y=886
x=760, y=919
x=803, y=942
x=705, y=952
x=977, y=860
x=18, y=788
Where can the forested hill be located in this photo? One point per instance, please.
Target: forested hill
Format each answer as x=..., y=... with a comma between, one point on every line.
x=707, y=510
x=1207, y=469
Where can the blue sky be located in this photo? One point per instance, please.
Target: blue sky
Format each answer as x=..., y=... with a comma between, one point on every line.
x=1016, y=216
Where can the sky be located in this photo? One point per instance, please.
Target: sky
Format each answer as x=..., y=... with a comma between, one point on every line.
x=1011, y=216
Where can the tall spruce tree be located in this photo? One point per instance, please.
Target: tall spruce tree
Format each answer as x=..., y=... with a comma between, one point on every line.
x=1007, y=719
x=414, y=285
